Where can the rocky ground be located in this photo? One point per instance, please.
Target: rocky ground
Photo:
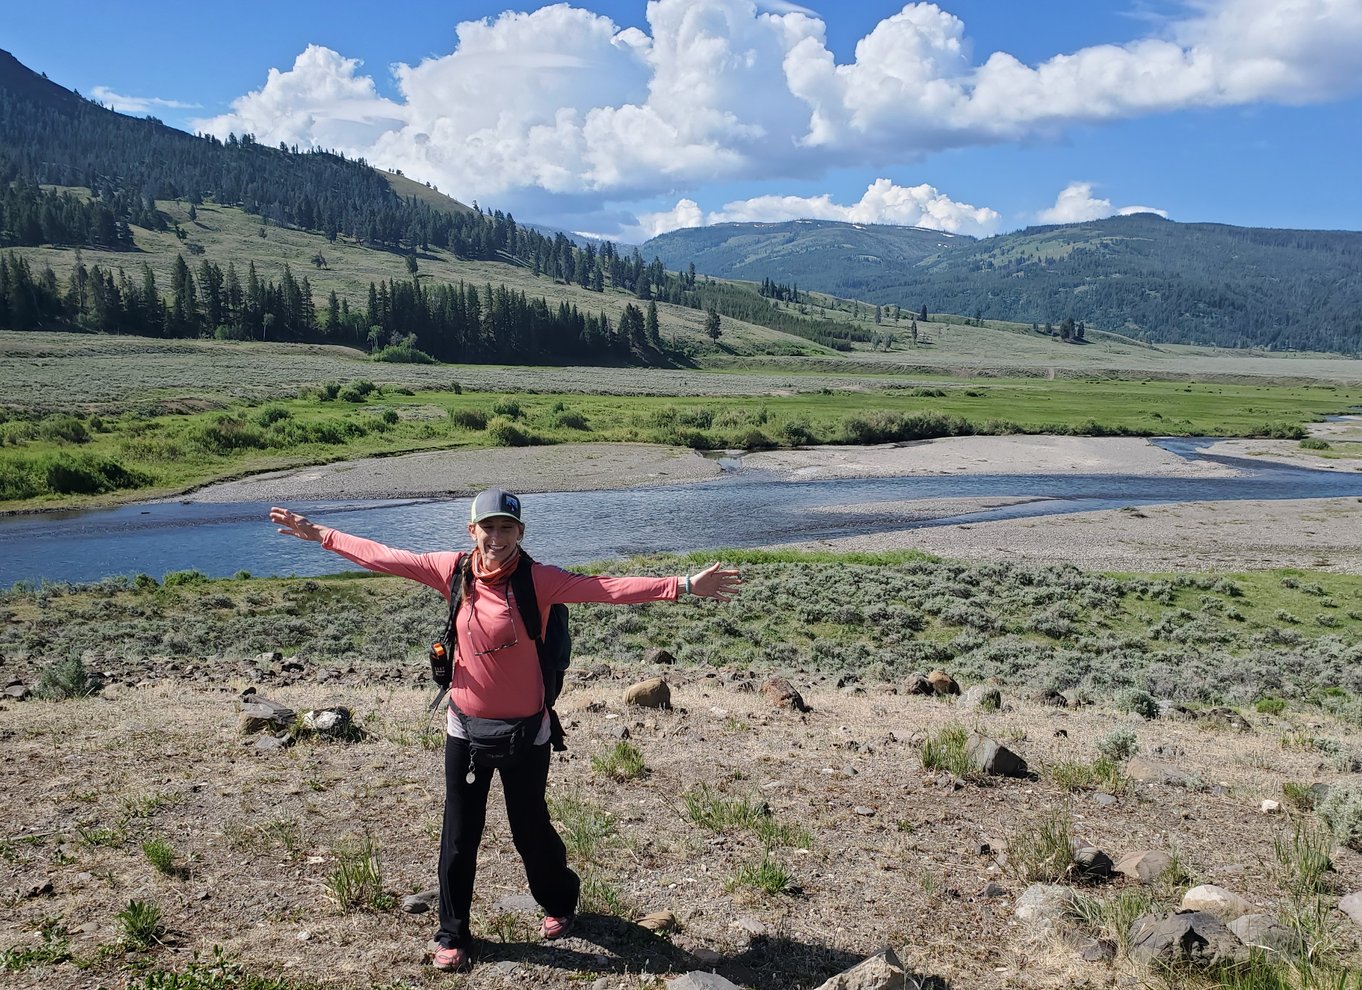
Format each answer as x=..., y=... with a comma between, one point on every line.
x=879, y=850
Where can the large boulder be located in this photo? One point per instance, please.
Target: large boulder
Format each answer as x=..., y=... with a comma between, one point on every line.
x=1184, y=937
x=917, y=683
x=782, y=694
x=1145, y=865
x=260, y=714
x=942, y=682
x=882, y=971
x=652, y=693
x=1263, y=931
x=992, y=757
x=985, y=697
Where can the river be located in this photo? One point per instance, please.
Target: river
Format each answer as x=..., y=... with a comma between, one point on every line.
x=742, y=508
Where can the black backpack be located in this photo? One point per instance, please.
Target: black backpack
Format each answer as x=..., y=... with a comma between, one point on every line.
x=553, y=642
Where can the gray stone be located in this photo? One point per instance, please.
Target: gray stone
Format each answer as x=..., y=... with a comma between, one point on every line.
x=1051, y=697
x=17, y=692
x=782, y=694
x=992, y=890
x=1090, y=862
x=420, y=903
x=260, y=714
x=1226, y=717
x=942, y=682
x=994, y=758
x=882, y=971
x=1183, y=937
x=517, y=904
x=615, y=729
x=1097, y=950
x=1145, y=865
x=1044, y=905
x=1351, y=905
x=918, y=684
x=1104, y=800
x=1263, y=931
x=655, y=654
x=1217, y=901
x=697, y=980
x=751, y=926
x=652, y=693
x=1152, y=772
x=336, y=722
x=985, y=697
x=864, y=811
x=266, y=744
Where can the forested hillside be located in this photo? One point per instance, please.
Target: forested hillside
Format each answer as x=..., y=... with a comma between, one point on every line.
x=1140, y=275
x=75, y=174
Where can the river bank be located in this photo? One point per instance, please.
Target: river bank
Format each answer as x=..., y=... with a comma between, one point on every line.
x=1230, y=535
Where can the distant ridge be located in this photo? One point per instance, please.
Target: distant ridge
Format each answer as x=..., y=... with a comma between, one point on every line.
x=1141, y=275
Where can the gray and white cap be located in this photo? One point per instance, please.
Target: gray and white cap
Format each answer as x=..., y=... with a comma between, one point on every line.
x=494, y=502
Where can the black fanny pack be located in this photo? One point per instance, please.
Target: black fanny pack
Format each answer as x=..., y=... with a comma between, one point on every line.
x=497, y=742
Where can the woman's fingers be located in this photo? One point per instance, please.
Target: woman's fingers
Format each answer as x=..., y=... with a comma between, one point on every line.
x=292, y=524
x=712, y=582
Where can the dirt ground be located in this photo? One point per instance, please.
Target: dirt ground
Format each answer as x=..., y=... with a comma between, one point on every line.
x=890, y=855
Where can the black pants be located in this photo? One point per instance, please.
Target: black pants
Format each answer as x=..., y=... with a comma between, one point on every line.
x=552, y=882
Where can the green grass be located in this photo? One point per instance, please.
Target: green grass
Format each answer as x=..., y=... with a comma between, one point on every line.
x=622, y=762
x=171, y=424
x=767, y=877
x=944, y=750
x=1042, y=852
x=161, y=855
x=714, y=811
x=140, y=924
x=357, y=881
x=586, y=829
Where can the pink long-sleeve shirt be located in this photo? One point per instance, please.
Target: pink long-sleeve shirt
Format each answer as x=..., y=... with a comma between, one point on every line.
x=496, y=673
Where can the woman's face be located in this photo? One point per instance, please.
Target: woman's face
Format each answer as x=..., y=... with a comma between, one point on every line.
x=497, y=537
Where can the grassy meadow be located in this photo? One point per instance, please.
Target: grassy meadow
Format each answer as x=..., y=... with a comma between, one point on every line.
x=157, y=445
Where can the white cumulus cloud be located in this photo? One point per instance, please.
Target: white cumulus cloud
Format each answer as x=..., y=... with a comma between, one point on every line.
x=1076, y=204
x=560, y=101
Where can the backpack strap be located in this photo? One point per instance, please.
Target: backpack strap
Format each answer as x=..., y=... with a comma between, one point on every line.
x=527, y=600
x=458, y=590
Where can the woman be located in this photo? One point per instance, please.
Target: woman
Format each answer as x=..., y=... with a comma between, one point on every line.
x=497, y=676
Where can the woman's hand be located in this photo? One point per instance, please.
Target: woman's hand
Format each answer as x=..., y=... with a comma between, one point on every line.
x=714, y=583
x=292, y=524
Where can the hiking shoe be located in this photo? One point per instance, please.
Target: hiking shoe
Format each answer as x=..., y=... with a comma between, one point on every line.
x=556, y=927
x=448, y=959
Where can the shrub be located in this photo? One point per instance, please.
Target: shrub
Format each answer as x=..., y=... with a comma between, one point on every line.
x=357, y=391
x=175, y=579
x=1142, y=703
x=624, y=762
x=504, y=433
x=64, y=428
x=468, y=419
x=509, y=408
x=1044, y=852
x=225, y=434
x=1269, y=706
x=328, y=391
x=1118, y=744
x=140, y=923
x=271, y=414
x=70, y=475
x=946, y=751
x=1342, y=812
x=566, y=420
x=67, y=679
x=402, y=354
x=1314, y=443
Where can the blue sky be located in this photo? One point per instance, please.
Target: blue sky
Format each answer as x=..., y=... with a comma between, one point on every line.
x=625, y=119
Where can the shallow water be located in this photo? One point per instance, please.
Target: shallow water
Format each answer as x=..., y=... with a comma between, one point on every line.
x=739, y=509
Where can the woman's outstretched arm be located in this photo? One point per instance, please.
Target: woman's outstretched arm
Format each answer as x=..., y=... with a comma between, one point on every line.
x=433, y=569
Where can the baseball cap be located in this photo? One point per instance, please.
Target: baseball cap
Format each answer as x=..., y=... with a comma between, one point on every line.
x=494, y=502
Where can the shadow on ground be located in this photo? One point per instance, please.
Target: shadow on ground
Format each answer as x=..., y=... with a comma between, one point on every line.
x=622, y=947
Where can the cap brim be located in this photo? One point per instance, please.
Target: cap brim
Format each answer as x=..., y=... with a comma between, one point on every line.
x=493, y=515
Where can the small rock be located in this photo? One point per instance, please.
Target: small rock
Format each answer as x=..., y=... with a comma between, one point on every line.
x=17, y=692
x=861, y=809
x=1051, y=697
x=43, y=889
x=1061, y=733
x=508, y=968
x=1144, y=865
x=1151, y=772
x=882, y=971
x=304, y=936
x=1351, y=905
x=698, y=980
x=655, y=654
x=1217, y=901
x=994, y=758
x=1098, y=950
x=615, y=730
x=1091, y=862
x=260, y=714
x=420, y=903
x=267, y=744
x=1104, y=800
x=1270, y=807
x=782, y=694
x=657, y=921
x=992, y=890
x=1045, y=905
x=517, y=904
x=329, y=721
x=751, y=926
x=942, y=682
x=652, y=693
x=984, y=697
x=1226, y=717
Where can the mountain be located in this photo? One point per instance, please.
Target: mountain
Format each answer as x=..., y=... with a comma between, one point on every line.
x=1141, y=275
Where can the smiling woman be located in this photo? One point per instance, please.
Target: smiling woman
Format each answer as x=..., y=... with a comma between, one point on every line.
x=501, y=692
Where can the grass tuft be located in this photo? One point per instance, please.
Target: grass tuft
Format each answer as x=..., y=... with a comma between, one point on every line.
x=357, y=881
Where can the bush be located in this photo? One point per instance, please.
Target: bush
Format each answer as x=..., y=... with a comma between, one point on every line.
x=67, y=679
x=1314, y=443
x=1142, y=703
x=64, y=428
x=271, y=414
x=504, y=433
x=1342, y=812
x=1118, y=744
x=328, y=391
x=226, y=434
x=357, y=391
x=402, y=354
x=176, y=579
x=1269, y=706
x=468, y=419
x=509, y=408
x=565, y=420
